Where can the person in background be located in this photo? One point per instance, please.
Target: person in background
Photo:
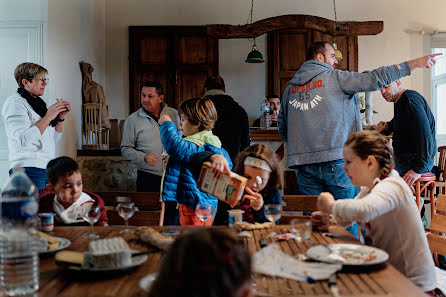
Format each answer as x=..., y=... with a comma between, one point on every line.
x=384, y=207
x=197, y=118
x=141, y=139
x=319, y=111
x=274, y=109
x=65, y=195
x=32, y=129
x=259, y=164
x=232, y=126
x=413, y=127
x=202, y=263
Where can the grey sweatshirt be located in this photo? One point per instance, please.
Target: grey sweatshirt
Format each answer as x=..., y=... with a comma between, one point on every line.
x=142, y=136
x=319, y=109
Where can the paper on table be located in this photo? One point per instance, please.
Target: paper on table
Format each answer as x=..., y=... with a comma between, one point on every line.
x=271, y=259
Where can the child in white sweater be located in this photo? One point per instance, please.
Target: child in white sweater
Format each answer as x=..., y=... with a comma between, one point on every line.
x=384, y=207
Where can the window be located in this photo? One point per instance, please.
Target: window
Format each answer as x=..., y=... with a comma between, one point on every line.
x=439, y=93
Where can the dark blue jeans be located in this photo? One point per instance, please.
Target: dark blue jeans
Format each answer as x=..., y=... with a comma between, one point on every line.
x=312, y=179
x=36, y=175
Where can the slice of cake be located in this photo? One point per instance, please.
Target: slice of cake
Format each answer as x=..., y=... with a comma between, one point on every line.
x=108, y=253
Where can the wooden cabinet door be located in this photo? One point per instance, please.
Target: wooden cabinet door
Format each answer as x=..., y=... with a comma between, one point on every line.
x=287, y=52
x=180, y=57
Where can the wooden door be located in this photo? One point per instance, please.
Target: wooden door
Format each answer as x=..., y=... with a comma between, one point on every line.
x=287, y=52
x=180, y=57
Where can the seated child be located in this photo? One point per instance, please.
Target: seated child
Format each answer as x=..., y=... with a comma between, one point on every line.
x=197, y=118
x=259, y=164
x=202, y=263
x=384, y=207
x=64, y=194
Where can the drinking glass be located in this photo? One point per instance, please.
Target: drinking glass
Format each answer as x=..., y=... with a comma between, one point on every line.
x=204, y=212
x=92, y=216
x=273, y=212
x=301, y=228
x=126, y=211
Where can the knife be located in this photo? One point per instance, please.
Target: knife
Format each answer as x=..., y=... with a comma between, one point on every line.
x=333, y=285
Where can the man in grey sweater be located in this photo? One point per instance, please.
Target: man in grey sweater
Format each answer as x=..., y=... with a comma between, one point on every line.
x=319, y=111
x=141, y=139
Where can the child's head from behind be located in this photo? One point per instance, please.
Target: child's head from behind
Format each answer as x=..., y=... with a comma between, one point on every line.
x=367, y=156
x=206, y=262
x=197, y=114
x=64, y=180
x=260, y=160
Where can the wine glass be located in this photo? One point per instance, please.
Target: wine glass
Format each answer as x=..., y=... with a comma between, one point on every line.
x=92, y=216
x=204, y=212
x=126, y=211
x=273, y=212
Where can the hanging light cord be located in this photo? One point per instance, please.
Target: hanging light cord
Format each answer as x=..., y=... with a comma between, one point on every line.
x=334, y=7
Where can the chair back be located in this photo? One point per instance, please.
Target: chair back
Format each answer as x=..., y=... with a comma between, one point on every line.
x=436, y=238
x=442, y=162
x=148, y=204
x=292, y=205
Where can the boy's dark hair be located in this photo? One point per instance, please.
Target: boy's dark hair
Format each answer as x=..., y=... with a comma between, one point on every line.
x=199, y=111
x=62, y=166
x=315, y=48
x=265, y=153
x=202, y=263
x=154, y=84
x=214, y=82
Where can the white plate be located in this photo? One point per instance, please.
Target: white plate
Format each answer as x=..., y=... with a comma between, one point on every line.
x=147, y=281
x=136, y=261
x=354, y=254
x=64, y=243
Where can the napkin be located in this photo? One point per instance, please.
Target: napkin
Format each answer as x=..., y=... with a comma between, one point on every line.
x=272, y=261
x=74, y=213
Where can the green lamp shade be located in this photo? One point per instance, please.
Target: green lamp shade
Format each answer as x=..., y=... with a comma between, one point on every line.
x=254, y=56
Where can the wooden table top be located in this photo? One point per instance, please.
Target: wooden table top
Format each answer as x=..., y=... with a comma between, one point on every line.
x=55, y=281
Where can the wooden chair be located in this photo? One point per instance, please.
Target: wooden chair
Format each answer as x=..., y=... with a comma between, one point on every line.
x=441, y=181
x=292, y=204
x=148, y=204
x=436, y=237
x=425, y=184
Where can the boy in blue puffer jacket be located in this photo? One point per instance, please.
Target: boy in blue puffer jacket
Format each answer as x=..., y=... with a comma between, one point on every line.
x=197, y=118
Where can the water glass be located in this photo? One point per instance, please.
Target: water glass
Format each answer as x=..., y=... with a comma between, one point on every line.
x=273, y=212
x=126, y=211
x=204, y=212
x=301, y=228
x=92, y=216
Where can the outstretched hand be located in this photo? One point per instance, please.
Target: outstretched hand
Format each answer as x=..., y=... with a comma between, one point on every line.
x=255, y=199
x=426, y=61
x=219, y=165
x=164, y=118
x=325, y=202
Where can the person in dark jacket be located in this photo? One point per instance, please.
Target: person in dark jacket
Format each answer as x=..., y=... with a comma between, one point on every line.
x=413, y=127
x=232, y=126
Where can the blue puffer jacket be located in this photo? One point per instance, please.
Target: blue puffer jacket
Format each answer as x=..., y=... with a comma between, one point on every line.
x=179, y=183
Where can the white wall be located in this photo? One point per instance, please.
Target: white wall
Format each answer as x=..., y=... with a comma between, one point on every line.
x=393, y=45
x=76, y=32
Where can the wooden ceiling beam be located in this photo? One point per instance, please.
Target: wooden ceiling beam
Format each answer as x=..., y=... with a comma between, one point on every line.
x=299, y=21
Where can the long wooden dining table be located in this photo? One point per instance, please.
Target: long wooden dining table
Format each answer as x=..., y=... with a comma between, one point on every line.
x=55, y=280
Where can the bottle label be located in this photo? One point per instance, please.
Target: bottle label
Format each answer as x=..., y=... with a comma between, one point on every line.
x=19, y=209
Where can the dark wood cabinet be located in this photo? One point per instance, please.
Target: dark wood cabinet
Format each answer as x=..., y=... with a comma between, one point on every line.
x=287, y=52
x=180, y=57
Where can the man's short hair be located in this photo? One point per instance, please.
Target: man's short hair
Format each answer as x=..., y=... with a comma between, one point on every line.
x=315, y=48
x=62, y=166
x=154, y=84
x=214, y=82
x=272, y=96
x=28, y=71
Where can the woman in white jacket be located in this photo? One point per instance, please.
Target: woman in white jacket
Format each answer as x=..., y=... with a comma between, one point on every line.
x=32, y=128
x=384, y=207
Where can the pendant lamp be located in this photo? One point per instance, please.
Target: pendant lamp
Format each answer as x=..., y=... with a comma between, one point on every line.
x=254, y=55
